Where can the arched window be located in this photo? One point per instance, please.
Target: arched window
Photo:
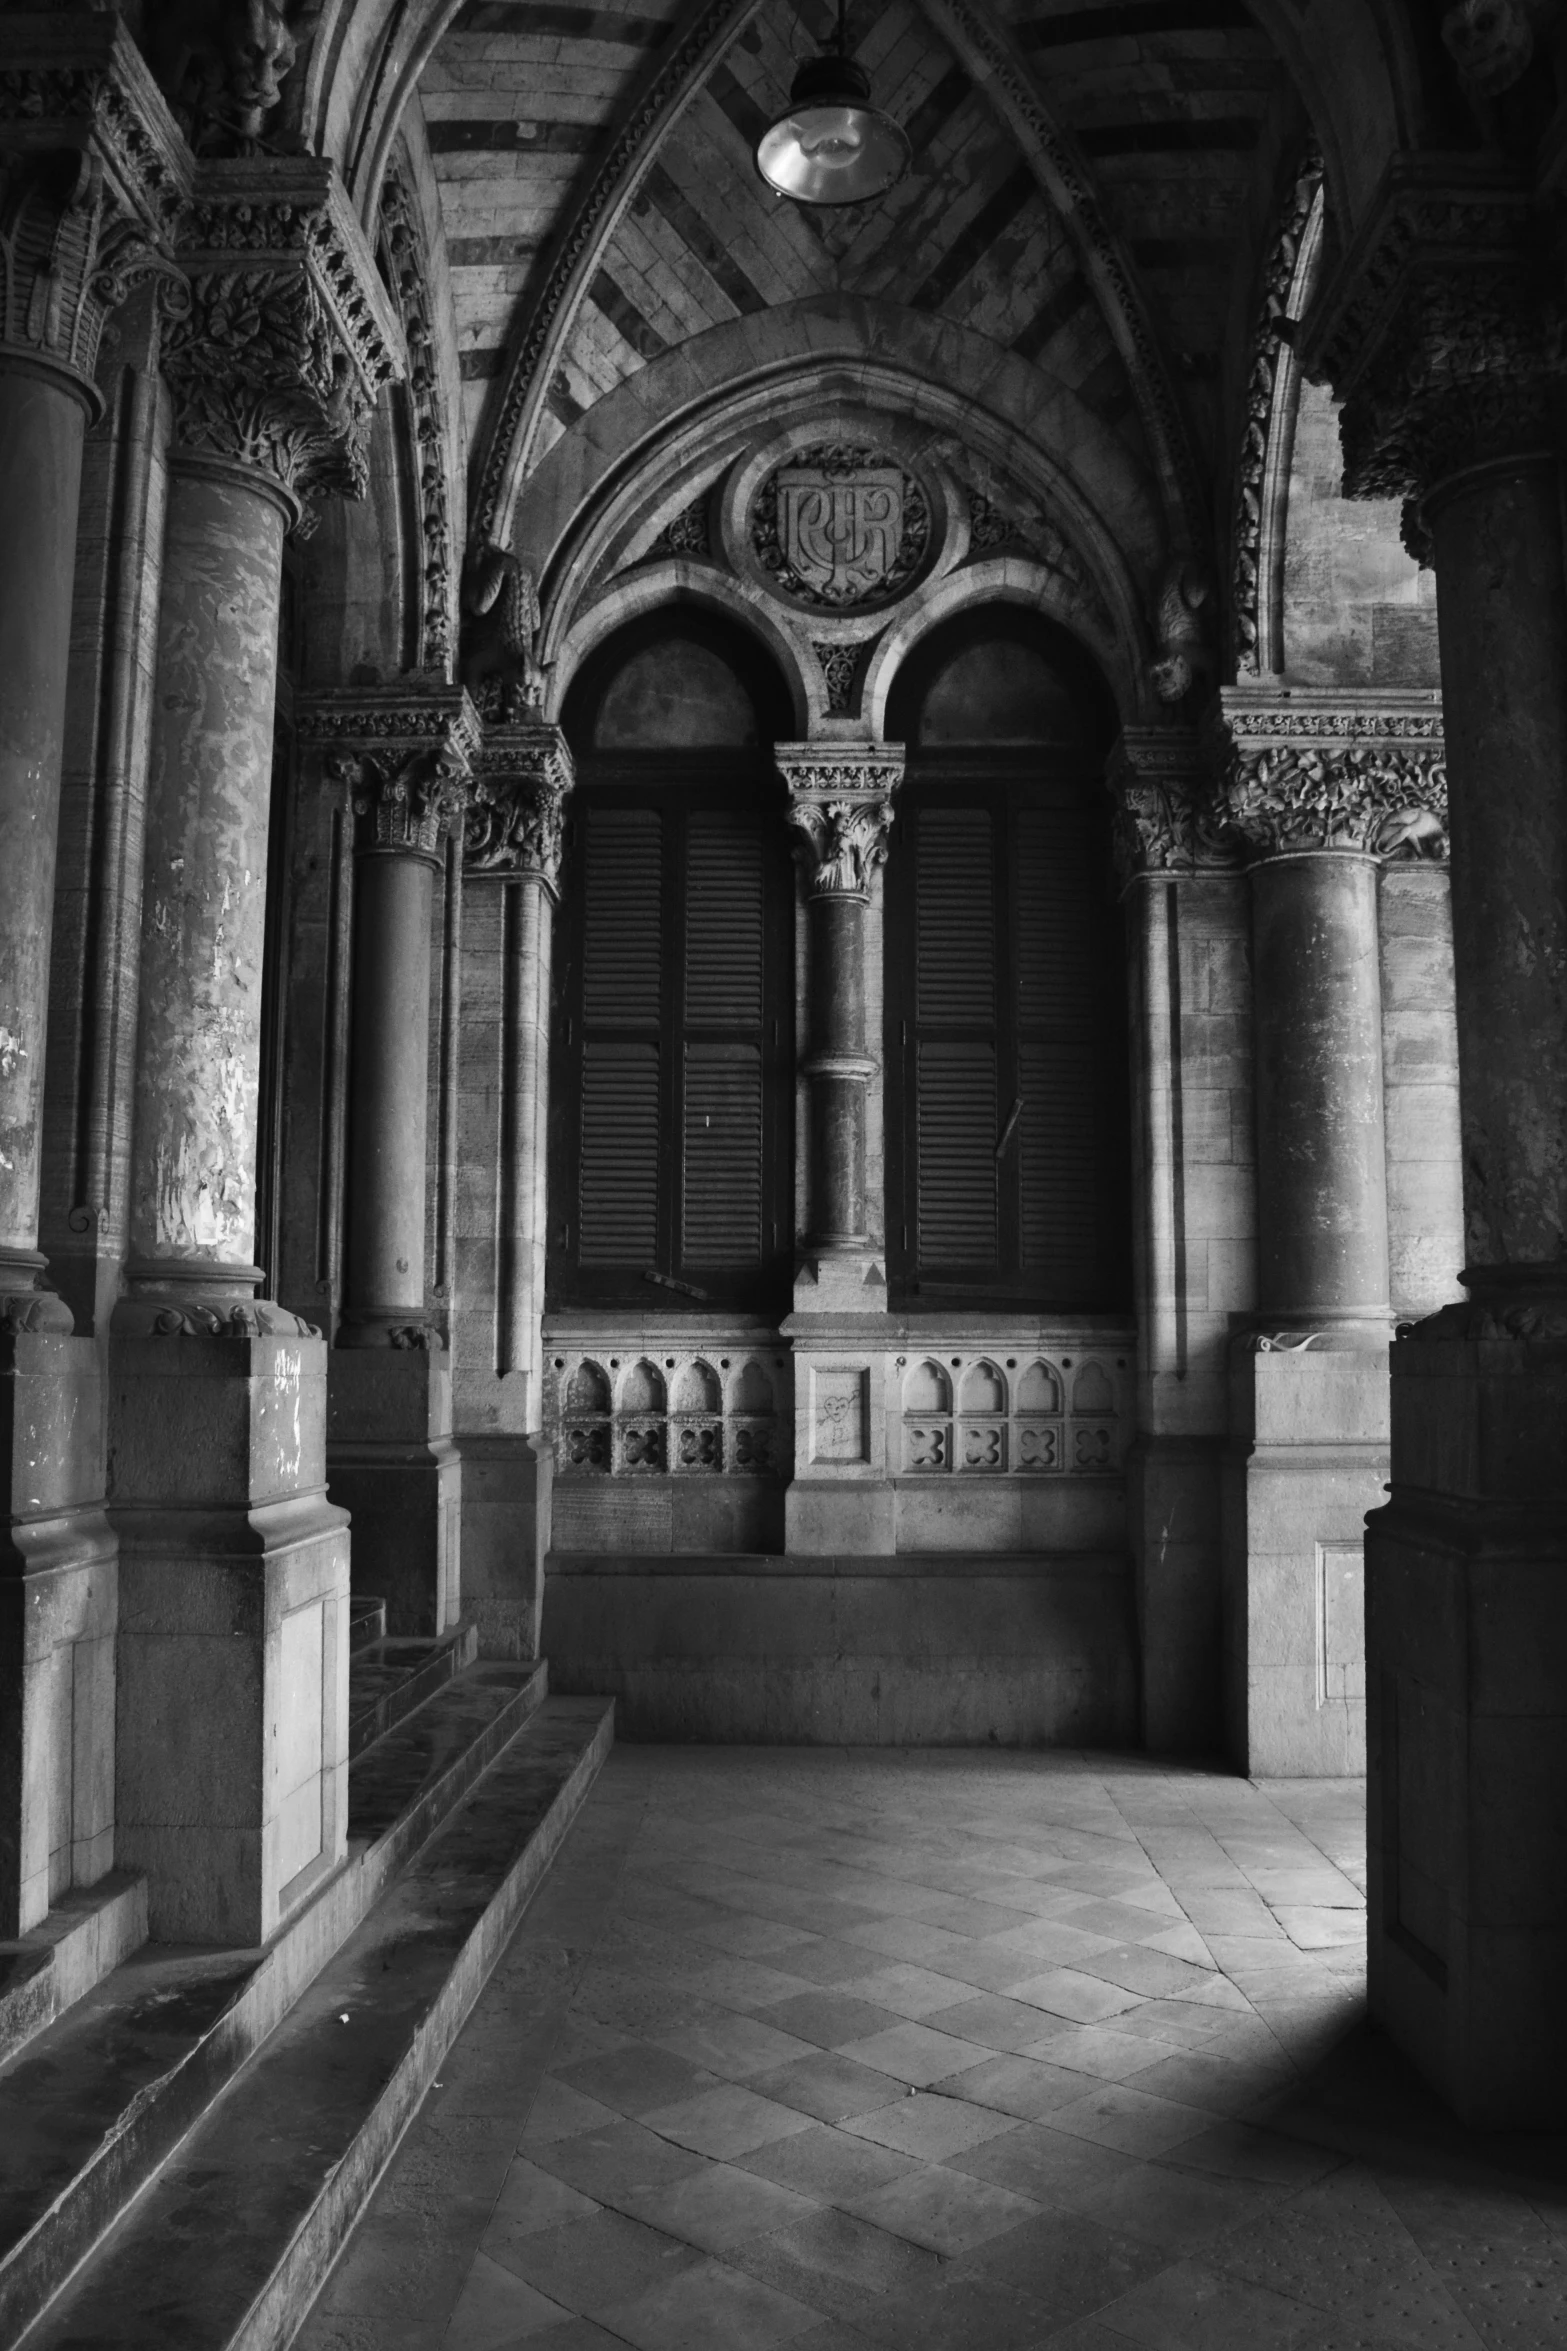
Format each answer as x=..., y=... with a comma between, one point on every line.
x=1006, y=1031
x=672, y=1092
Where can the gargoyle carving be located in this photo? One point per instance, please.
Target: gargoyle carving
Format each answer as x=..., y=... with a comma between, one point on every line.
x=500, y=627
x=1183, y=648
x=222, y=64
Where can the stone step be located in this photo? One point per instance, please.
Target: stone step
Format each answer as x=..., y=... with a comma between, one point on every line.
x=388, y=1679
x=92, y=2106
x=90, y=1931
x=228, y=2247
x=366, y=1622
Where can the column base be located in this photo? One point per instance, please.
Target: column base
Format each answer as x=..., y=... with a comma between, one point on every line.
x=1466, y=1630
x=232, y=1746
x=1174, y=1508
x=58, y=1603
x=1308, y=1459
x=392, y=1465
x=506, y=1487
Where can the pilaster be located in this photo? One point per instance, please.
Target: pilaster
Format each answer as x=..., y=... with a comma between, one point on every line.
x=1443, y=333
x=513, y=851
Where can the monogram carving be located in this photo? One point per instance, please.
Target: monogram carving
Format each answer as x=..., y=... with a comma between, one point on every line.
x=516, y=818
x=840, y=527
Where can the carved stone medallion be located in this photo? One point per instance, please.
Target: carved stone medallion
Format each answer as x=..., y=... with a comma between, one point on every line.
x=841, y=527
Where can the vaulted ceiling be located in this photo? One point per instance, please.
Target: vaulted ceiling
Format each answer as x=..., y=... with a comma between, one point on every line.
x=1091, y=188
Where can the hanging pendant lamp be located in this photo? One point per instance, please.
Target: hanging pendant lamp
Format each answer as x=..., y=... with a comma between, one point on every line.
x=831, y=145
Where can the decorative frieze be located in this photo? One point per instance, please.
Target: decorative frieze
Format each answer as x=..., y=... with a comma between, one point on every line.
x=516, y=817
x=291, y=336
x=1062, y=1414
x=1439, y=332
x=1302, y=770
x=633, y=1412
x=1259, y=484
x=841, y=804
x=93, y=181
x=1166, y=817
x=404, y=751
x=408, y=274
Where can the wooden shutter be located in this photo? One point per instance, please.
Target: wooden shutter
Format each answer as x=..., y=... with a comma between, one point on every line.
x=620, y=1068
x=1005, y=996
x=673, y=1082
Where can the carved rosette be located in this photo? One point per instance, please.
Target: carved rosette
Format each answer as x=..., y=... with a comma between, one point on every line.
x=405, y=752
x=291, y=336
x=516, y=819
x=93, y=180
x=1166, y=817
x=1440, y=333
x=1316, y=772
x=840, y=802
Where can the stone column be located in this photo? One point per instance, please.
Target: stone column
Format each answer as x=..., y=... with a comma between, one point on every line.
x=1442, y=332
x=1194, y=1255
x=841, y=1498
x=404, y=752
x=513, y=855
x=232, y=1751
x=93, y=171
x=1318, y=787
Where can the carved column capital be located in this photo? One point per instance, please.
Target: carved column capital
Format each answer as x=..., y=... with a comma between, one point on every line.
x=516, y=820
x=1166, y=818
x=94, y=177
x=840, y=801
x=1441, y=330
x=405, y=752
x=1302, y=769
x=290, y=337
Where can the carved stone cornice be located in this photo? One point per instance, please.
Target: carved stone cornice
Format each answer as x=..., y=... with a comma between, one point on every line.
x=1302, y=769
x=1166, y=820
x=840, y=801
x=516, y=819
x=94, y=177
x=1441, y=330
x=291, y=336
x=409, y=279
x=405, y=752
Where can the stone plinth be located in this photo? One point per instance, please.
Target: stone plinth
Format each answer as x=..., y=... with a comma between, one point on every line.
x=57, y=1622
x=392, y=1464
x=233, y=1641
x=1308, y=1455
x=506, y=1488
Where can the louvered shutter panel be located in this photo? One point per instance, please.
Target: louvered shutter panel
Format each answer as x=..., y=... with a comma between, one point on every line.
x=1063, y=1073
x=618, y=1138
x=955, y=1153
x=724, y=996
x=954, y=929
x=955, y=1059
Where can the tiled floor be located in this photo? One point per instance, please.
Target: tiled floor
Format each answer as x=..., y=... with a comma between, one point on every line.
x=945, y=2051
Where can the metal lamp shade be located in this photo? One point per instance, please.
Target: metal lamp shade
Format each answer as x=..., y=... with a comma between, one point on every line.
x=832, y=146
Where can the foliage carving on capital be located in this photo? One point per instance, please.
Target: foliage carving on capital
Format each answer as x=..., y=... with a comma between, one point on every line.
x=1165, y=819
x=1383, y=799
x=93, y=180
x=405, y=754
x=290, y=336
x=840, y=802
x=516, y=818
x=1441, y=332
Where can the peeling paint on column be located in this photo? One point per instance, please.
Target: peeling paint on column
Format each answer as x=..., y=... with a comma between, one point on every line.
x=195, y=1158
